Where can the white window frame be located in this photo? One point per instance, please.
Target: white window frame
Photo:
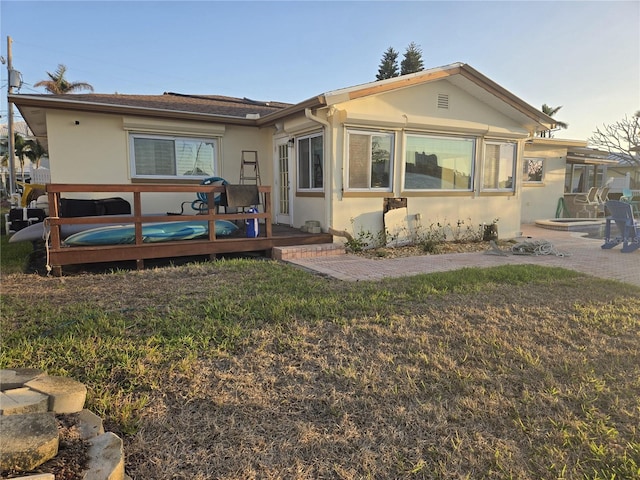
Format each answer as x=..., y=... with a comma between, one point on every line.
x=311, y=170
x=370, y=134
x=215, y=141
x=485, y=166
x=525, y=173
x=473, y=140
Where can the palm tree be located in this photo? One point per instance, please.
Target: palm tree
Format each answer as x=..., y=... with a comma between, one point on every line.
x=19, y=144
x=58, y=85
x=551, y=111
x=34, y=151
x=21, y=147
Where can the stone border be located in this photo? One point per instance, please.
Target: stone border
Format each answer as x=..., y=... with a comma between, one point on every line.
x=29, y=399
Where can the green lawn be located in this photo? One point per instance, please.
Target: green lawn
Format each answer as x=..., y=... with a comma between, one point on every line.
x=13, y=256
x=255, y=369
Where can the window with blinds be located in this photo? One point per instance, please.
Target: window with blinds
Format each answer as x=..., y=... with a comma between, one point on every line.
x=499, y=166
x=172, y=157
x=370, y=160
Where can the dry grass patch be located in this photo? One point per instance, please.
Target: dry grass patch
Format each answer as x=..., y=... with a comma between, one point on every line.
x=257, y=370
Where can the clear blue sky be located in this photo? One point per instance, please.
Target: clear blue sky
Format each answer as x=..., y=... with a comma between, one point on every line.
x=582, y=55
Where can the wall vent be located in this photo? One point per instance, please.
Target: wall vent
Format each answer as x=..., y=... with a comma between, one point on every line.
x=443, y=101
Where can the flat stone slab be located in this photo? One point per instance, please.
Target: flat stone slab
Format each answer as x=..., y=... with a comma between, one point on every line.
x=65, y=394
x=37, y=476
x=106, y=458
x=27, y=441
x=90, y=424
x=22, y=400
x=17, y=377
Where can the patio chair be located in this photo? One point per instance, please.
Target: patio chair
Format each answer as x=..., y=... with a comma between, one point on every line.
x=628, y=227
x=602, y=195
x=201, y=203
x=588, y=201
x=627, y=197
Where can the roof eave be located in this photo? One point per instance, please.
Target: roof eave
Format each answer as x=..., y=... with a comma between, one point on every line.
x=382, y=86
x=585, y=160
x=439, y=73
x=67, y=104
x=557, y=142
x=539, y=117
x=313, y=102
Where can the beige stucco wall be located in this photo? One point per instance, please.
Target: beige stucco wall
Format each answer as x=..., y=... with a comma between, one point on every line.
x=96, y=150
x=407, y=110
x=540, y=201
x=415, y=110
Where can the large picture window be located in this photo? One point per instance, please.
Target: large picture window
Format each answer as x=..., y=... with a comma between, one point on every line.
x=439, y=163
x=499, y=166
x=171, y=157
x=370, y=160
x=311, y=163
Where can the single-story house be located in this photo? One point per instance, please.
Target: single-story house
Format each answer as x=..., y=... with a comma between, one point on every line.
x=625, y=171
x=449, y=141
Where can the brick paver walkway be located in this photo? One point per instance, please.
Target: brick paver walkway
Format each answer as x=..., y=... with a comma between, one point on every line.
x=580, y=253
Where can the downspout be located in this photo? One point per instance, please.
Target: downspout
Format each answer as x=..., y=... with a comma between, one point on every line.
x=328, y=215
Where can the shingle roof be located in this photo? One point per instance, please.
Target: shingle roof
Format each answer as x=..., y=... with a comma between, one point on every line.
x=18, y=127
x=207, y=104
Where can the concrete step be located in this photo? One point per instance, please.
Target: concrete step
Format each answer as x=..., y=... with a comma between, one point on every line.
x=308, y=251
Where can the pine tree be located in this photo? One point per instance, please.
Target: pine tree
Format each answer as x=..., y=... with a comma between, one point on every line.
x=388, y=65
x=412, y=61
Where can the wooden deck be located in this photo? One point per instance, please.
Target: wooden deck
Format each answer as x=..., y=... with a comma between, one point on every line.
x=270, y=235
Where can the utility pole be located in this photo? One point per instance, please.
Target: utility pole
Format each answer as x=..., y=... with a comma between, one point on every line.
x=11, y=140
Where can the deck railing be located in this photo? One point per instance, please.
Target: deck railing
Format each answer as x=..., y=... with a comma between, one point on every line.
x=60, y=255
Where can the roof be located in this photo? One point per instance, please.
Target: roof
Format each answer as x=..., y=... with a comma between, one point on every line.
x=462, y=76
x=213, y=108
x=18, y=127
x=243, y=111
x=589, y=156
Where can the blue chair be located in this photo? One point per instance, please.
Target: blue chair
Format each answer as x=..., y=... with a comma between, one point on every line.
x=201, y=204
x=628, y=227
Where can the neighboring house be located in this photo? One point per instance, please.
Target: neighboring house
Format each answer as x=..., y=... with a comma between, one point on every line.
x=625, y=171
x=555, y=169
x=448, y=140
